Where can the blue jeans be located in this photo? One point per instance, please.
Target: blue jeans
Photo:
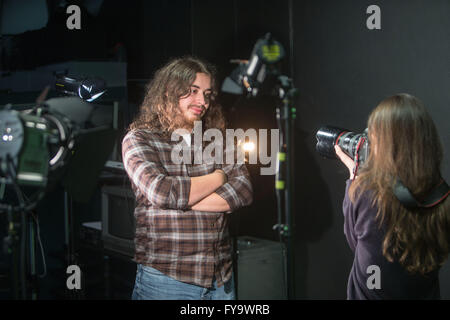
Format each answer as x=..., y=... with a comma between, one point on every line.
x=152, y=284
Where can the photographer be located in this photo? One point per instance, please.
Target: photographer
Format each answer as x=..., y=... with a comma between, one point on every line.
x=407, y=245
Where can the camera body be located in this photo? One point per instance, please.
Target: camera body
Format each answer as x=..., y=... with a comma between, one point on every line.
x=355, y=145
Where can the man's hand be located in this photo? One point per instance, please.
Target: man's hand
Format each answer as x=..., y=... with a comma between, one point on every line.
x=349, y=163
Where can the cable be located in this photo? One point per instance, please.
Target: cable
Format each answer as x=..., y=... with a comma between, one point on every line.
x=36, y=220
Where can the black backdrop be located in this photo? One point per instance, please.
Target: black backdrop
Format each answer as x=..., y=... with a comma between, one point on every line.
x=342, y=70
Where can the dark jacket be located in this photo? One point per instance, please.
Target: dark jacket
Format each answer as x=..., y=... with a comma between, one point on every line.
x=372, y=276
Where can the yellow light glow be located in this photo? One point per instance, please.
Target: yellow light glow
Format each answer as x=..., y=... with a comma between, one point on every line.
x=248, y=146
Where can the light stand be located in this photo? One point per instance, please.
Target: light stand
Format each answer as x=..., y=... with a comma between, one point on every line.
x=69, y=244
x=284, y=178
x=32, y=251
x=249, y=78
x=24, y=279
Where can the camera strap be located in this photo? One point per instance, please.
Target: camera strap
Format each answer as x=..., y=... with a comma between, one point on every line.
x=433, y=198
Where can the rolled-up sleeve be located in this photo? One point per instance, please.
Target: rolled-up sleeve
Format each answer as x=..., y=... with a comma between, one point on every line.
x=143, y=166
x=238, y=191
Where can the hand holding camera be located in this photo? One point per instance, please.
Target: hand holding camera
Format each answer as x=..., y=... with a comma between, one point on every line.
x=349, y=163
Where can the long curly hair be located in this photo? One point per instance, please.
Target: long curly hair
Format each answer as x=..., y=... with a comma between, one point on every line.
x=405, y=145
x=160, y=111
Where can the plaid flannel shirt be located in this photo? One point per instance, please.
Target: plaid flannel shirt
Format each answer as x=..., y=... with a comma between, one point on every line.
x=187, y=245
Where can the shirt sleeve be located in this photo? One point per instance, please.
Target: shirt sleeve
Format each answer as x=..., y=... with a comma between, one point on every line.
x=359, y=218
x=349, y=218
x=238, y=191
x=143, y=166
x=366, y=241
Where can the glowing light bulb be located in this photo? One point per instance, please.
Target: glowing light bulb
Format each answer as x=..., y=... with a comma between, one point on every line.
x=248, y=146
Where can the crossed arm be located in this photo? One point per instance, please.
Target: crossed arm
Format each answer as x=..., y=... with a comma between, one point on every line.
x=202, y=196
x=224, y=190
x=234, y=193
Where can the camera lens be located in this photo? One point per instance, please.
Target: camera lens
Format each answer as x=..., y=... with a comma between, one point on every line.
x=326, y=139
x=350, y=142
x=355, y=144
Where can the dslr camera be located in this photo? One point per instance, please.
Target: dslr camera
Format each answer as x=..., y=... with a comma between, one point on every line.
x=355, y=145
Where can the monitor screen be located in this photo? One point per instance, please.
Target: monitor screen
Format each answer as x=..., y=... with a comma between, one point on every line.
x=118, y=222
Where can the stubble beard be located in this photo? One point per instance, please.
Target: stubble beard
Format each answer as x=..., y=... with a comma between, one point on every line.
x=189, y=119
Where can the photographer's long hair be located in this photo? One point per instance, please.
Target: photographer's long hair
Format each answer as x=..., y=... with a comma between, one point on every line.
x=159, y=110
x=405, y=145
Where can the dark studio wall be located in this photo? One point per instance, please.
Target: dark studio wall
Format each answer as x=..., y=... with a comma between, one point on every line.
x=342, y=71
